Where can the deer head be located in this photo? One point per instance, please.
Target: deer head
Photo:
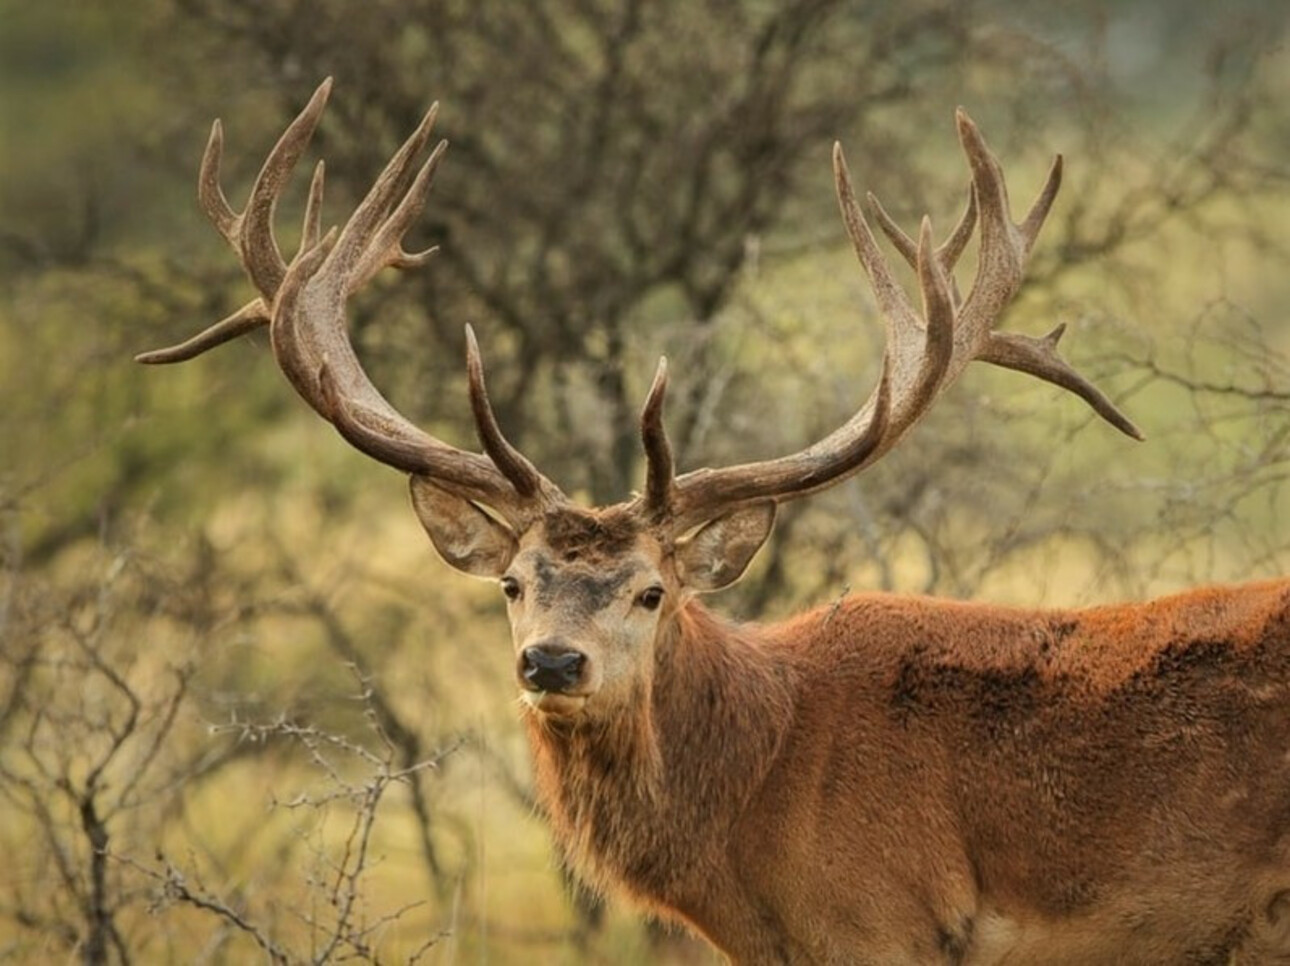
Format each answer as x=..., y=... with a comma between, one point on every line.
x=591, y=591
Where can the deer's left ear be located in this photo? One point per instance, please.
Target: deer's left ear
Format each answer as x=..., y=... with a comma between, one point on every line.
x=716, y=554
x=465, y=536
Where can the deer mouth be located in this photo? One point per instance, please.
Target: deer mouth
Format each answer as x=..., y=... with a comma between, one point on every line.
x=557, y=704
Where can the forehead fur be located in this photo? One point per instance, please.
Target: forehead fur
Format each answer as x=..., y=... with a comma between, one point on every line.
x=591, y=535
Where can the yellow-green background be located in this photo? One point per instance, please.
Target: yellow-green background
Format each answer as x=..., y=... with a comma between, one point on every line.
x=199, y=579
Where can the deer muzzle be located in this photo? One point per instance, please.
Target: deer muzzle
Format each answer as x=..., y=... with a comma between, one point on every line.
x=552, y=668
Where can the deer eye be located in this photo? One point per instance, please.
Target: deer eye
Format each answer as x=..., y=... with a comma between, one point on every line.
x=650, y=598
x=511, y=588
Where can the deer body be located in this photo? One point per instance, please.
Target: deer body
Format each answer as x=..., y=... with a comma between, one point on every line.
x=888, y=781
x=904, y=780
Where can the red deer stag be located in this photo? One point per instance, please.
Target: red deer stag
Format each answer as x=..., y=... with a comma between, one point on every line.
x=889, y=780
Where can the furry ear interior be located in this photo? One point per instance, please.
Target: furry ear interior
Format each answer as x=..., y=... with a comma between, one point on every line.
x=716, y=554
x=466, y=537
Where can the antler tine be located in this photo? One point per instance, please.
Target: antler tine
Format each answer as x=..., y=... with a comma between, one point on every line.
x=901, y=320
x=918, y=347
x=365, y=243
x=660, y=467
x=515, y=466
x=385, y=247
x=251, y=232
x=947, y=253
x=249, y=317
x=939, y=303
x=209, y=191
x=1038, y=213
x=1039, y=358
x=311, y=230
x=261, y=256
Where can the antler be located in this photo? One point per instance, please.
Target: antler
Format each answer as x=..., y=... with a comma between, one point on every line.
x=303, y=303
x=926, y=351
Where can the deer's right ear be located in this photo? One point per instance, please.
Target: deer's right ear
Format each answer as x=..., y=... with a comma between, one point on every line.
x=465, y=536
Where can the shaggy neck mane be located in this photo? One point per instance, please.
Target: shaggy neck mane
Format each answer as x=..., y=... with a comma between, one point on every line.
x=645, y=798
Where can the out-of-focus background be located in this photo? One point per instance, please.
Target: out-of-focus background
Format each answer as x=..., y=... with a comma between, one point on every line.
x=245, y=712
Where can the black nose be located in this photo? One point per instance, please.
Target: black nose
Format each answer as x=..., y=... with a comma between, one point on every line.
x=551, y=668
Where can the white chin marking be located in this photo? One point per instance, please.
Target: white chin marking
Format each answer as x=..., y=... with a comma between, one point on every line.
x=552, y=703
